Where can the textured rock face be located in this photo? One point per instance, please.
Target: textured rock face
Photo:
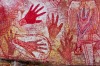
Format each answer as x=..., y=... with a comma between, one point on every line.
x=85, y=21
x=4, y=23
x=55, y=32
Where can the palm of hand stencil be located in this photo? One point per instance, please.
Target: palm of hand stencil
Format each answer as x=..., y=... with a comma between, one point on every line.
x=31, y=16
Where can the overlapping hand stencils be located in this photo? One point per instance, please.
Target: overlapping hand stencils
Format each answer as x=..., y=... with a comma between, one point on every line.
x=84, y=21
